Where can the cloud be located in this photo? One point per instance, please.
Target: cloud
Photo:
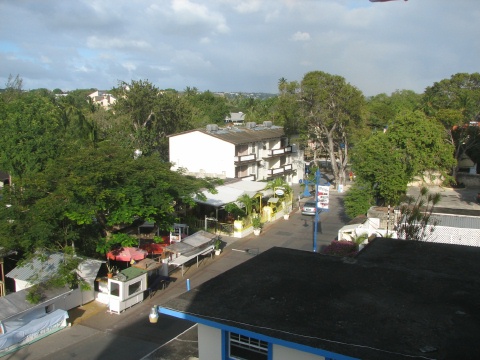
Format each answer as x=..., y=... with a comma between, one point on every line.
x=237, y=45
x=301, y=36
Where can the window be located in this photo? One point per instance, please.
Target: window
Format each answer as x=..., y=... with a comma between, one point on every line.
x=114, y=289
x=246, y=348
x=134, y=288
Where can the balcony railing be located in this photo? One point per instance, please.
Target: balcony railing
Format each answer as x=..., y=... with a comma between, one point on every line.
x=279, y=152
x=280, y=170
x=248, y=178
x=242, y=159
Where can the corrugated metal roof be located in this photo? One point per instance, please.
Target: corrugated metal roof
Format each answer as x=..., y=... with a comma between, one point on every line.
x=240, y=136
x=38, y=270
x=457, y=221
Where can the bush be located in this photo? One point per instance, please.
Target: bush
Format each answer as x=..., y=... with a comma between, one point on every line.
x=341, y=248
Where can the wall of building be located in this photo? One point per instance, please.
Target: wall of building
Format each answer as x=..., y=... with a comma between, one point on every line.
x=209, y=343
x=199, y=152
x=468, y=179
x=284, y=353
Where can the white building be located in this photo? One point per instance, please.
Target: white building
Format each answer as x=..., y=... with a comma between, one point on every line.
x=103, y=99
x=254, y=152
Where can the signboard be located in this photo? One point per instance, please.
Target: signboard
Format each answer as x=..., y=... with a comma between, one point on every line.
x=323, y=197
x=279, y=192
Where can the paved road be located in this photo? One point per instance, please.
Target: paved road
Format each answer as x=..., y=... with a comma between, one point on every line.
x=101, y=335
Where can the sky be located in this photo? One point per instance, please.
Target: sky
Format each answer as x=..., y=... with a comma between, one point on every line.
x=237, y=45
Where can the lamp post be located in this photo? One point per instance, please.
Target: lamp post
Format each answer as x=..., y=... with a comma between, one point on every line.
x=317, y=182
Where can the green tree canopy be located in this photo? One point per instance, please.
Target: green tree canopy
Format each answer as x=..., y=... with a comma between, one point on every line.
x=152, y=115
x=412, y=146
x=90, y=195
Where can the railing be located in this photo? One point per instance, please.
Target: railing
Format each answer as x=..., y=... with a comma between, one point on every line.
x=244, y=159
x=248, y=177
x=280, y=170
x=279, y=152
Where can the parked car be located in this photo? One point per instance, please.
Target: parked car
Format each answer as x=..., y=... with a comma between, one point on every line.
x=309, y=208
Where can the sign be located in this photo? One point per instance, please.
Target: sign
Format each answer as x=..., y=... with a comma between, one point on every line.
x=323, y=197
x=279, y=192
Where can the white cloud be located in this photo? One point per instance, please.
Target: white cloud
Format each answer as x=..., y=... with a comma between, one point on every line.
x=301, y=36
x=238, y=45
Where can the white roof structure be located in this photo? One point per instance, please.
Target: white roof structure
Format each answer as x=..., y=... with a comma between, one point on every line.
x=231, y=192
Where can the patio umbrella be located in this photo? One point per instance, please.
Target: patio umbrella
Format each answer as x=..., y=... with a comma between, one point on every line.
x=127, y=254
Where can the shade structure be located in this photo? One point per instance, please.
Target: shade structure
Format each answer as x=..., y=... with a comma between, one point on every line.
x=127, y=254
x=153, y=248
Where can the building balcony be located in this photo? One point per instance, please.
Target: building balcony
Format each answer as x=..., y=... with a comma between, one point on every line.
x=278, y=152
x=248, y=178
x=280, y=171
x=244, y=159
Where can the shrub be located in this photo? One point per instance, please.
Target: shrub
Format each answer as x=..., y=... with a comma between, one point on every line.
x=341, y=248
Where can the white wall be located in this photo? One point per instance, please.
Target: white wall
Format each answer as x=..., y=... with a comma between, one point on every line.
x=197, y=151
x=284, y=353
x=209, y=343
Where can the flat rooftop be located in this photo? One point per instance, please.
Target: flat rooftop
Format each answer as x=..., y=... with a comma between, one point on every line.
x=397, y=299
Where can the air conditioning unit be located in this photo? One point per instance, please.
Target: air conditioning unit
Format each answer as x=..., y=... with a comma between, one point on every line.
x=268, y=124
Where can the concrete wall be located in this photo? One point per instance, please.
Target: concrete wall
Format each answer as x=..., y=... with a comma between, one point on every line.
x=198, y=152
x=209, y=343
x=284, y=353
x=470, y=180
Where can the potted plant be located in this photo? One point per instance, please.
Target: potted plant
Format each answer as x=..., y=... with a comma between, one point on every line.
x=257, y=225
x=286, y=212
x=111, y=269
x=217, y=245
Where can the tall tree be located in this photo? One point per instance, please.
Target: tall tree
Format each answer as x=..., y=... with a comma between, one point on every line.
x=153, y=114
x=455, y=102
x=332, y=110
x=413, y=146
x=31, y=133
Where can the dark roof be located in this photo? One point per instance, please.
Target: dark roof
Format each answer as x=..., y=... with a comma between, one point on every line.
x=238, y=136
x=398, y=299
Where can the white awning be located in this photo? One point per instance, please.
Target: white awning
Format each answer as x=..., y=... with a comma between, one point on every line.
x=231, y=192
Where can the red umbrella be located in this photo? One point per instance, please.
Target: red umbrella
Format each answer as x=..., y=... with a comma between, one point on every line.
x=127, y=254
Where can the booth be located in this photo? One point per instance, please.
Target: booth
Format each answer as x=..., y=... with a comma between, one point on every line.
x=126, y=289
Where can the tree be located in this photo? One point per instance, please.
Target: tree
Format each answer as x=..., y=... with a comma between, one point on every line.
x=413, y=145
x=332, y=110
x=90, y=195
x=455, y=102
x=31, y=133
x=152, y=115
x=417, y=223
x=207, y=107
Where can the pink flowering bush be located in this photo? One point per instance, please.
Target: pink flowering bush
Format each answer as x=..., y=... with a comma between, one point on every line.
x=341, y=248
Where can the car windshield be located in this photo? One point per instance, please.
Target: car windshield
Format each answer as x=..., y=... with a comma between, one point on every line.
x=310, y=204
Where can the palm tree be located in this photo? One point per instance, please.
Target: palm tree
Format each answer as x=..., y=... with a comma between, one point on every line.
x=247, y=201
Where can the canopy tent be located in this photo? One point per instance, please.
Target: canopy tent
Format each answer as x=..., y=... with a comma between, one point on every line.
x=127, y=254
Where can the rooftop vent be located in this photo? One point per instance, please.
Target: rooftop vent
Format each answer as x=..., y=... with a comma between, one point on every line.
x=212, y=127
x=250, y=125
x=267, y=124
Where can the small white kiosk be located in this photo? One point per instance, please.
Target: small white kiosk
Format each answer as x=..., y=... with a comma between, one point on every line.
x=126, y=289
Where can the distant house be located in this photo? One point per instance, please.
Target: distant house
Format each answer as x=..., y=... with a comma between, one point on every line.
x=103, y=99
x=235, y=118
x=255, y=152
x=396, y=299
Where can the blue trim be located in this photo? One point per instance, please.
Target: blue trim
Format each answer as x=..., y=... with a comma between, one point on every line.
x=225, y=345
x=269, y=339
x=270, y=351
